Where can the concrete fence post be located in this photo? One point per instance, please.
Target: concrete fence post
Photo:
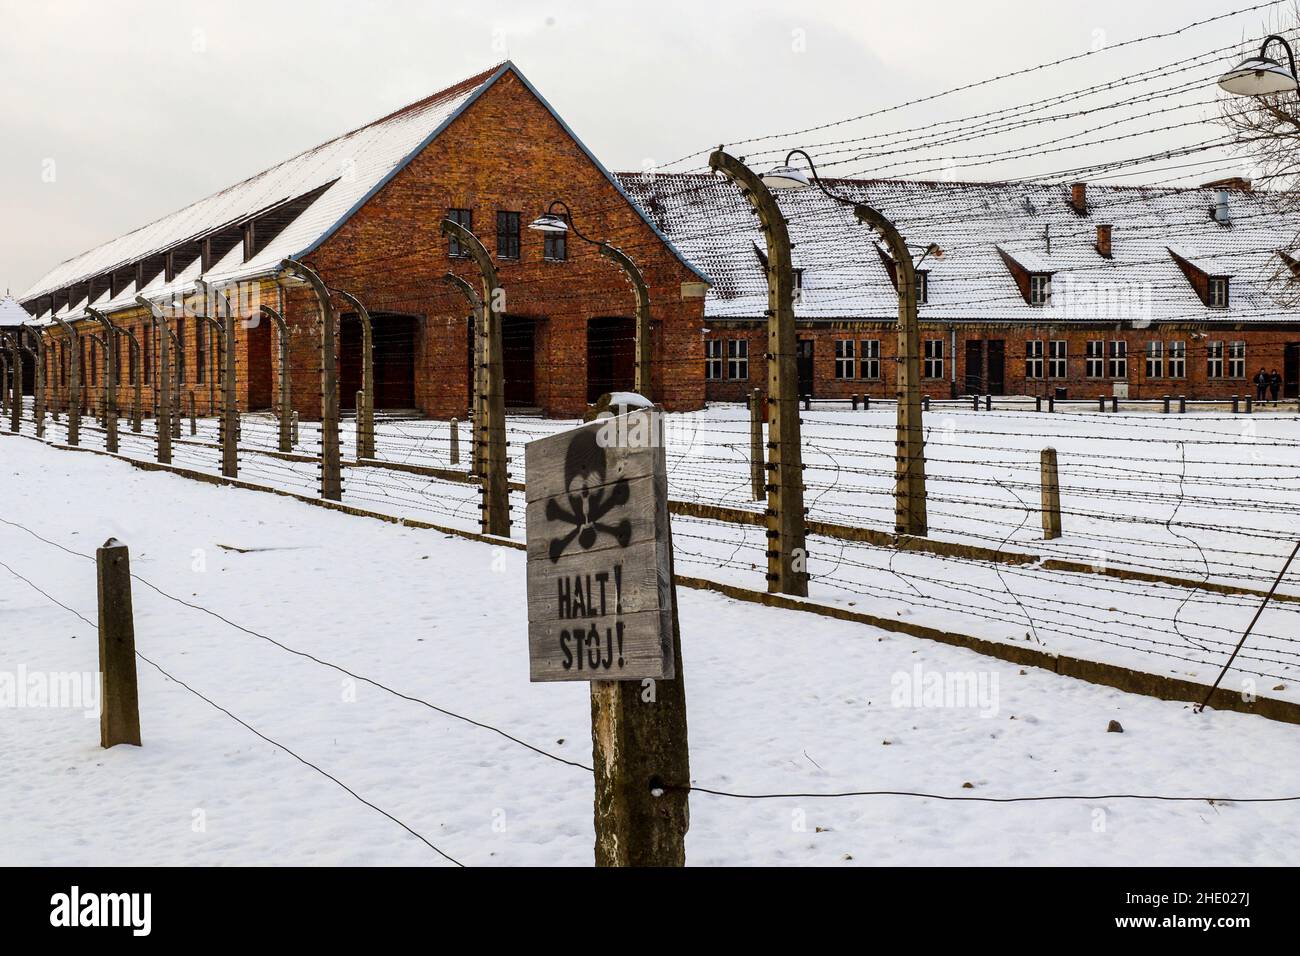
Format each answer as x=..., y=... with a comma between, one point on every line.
x=454, y=427
x=757, y=464
x=119, y=717
x=1051, y=495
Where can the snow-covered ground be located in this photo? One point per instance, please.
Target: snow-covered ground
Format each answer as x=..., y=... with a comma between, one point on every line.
x=779, y=701
x=1206, y=495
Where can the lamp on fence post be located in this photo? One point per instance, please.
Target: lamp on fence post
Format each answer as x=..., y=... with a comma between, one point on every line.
x=331, y=468
x=910, y=514
x=786, y=552
x=111, y=378
x=492, y=400
x=366, y=408
x=555, y=222
x=74, y=381
x=1261, y=75
x=477, y=373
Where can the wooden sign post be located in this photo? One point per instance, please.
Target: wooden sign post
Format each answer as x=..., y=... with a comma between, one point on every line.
x=602, y=608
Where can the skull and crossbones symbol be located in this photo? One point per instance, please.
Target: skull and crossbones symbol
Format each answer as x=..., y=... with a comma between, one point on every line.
x=590, y=499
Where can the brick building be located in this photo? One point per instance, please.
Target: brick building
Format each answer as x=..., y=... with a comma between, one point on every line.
x=364, y=211
x=1035, y=289
x=1090, y=290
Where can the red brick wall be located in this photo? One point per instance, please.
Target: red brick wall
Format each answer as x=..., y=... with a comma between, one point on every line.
x=1263, y=347
x=506, y=152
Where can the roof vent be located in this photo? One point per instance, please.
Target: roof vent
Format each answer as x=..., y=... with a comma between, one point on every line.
x=1221, y=213
x=1103, y=241
x=1079, y=198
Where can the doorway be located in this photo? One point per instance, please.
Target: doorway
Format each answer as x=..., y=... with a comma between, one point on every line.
x=611, y=356
x=997, y=369
x=974, y=379
x=804, y=361
x=518, y=360
x=1291, y=371
x=393, y=355
x=259, y=368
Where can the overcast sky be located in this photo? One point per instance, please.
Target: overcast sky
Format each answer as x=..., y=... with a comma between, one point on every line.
x=118, y=113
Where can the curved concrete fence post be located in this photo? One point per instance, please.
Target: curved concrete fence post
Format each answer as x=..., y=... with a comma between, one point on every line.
x=492, y=401
x=477, y=373
x=366, y=408
x=331, y=466
x=162, y=412
x=111, y=378
x=73, y=393
x=283, y=405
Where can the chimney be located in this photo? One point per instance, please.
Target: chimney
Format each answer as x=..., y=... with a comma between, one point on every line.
x=1221, y=212
x=1103, y=241
x=1236, y=184
x=1079, y=197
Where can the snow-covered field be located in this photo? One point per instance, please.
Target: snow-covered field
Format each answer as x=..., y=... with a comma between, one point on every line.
x=1205, y=495
x=779, y=701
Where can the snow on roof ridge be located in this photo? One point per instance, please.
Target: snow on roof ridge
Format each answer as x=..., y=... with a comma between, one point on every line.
x=456, y=89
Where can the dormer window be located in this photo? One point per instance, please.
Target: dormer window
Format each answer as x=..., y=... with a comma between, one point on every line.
x=922, y=286
x=1040, y=288
x=1217, y=292
x=798, y=286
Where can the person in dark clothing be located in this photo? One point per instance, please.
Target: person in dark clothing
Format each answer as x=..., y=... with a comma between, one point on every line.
x=1274, y=385
x=1261, y=384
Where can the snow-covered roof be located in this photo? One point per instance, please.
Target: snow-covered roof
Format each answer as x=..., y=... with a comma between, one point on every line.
x=344, y=172
x=11, y=313
x=314, y=192
x=845, y=277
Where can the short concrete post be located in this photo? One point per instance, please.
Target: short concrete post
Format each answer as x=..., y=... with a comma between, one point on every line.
x=807, y=403
x=854, y=400
x=925, y=403
x=1182, y=404
x=975, y=403
x=455, y=441
x=988, y=403
x=1101, y=403
x=1236, y=404
x=1051, y=404
x=1250, y=405
x=1166, y=401
x=866, y=403
x=1051, y=495
x=119, y=718
x=294, y=423
x=1114, y=403
x=756, y=463
x=194, y=414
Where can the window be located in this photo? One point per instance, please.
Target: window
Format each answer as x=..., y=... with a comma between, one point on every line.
x=200, y=352
x=1096, y=362
x=922, y=287
x=1155, y=360
x=555, y=246
x=507, y=235
x=845, y=360
x=1214, y=360
x=1217, y=296
x=713, y=359
x=1040, y=288
x=462, y=217
x=1236, y=360
x=933, y=358
x=1034, y=358
x=870, y=367
x=738, y=359
x=1058, y=363
x=798, y=286
x=180, y=350
x=1118, y=359
x=1177, y=359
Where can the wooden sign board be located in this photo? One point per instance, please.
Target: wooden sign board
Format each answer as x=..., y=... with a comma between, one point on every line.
x=599, y=583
